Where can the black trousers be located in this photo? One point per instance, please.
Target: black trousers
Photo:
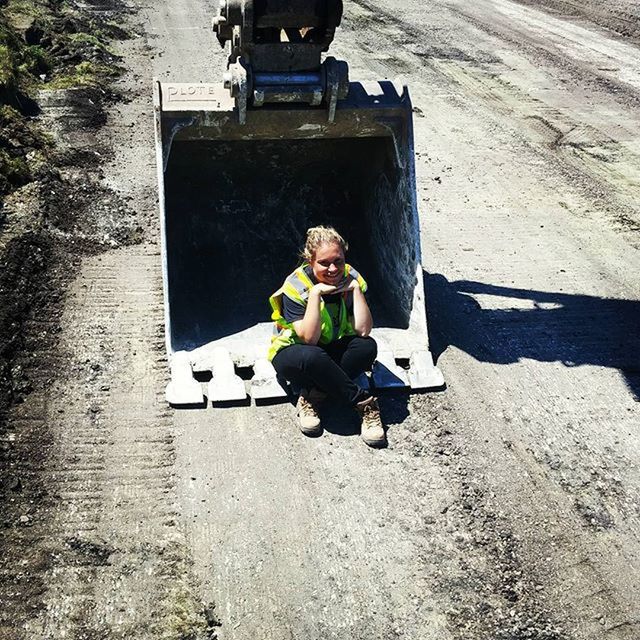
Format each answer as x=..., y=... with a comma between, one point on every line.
x=329, y=367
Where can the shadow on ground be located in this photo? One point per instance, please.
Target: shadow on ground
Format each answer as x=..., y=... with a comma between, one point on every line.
x=513, y=324
x=342, y=420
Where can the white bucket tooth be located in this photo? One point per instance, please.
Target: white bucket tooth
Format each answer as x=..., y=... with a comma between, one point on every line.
x=183, y=388
x=264, y=384
x=225, y=385
x=423, y=373
x=386, y=373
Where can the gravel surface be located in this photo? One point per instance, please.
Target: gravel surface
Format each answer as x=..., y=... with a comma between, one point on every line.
x=505, y=507
x=621, y=17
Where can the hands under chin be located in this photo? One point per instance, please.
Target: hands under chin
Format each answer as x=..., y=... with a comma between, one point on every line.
x=324, y=289
x=348, y=284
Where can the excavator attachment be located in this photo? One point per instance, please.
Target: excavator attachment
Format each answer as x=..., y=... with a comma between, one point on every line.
x=241, y=179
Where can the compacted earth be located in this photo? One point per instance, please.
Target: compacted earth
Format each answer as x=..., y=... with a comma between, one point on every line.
x=506, y=507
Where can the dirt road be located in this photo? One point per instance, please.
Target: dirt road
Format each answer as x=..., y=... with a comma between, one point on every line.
x=507, y=506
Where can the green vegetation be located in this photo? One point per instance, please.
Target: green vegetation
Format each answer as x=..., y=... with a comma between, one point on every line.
x=36, y=61
x=85, y=74
x=10, y=60
x=48, y=44
x=14, y=172
x=17, y=136
x=44, y=44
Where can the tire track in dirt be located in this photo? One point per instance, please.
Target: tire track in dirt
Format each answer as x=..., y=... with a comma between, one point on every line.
x=624, y=20
x=98, y=543
x=292, y=535
x=599, y=157
x=113, y=540
x=574, y=555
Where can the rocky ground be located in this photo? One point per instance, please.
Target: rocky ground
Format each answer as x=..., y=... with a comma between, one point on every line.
x=505, y=507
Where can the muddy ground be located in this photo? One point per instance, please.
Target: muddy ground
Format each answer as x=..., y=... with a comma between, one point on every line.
x=505, y=507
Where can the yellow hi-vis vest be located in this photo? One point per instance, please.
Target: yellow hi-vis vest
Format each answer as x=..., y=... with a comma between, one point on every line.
x=297, y=287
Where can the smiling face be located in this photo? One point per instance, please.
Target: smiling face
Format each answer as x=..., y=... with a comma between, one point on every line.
x=328, y=263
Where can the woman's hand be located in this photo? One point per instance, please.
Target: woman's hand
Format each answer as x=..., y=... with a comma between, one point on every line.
x=322, y=289
x=348, y=284
x=352, y=285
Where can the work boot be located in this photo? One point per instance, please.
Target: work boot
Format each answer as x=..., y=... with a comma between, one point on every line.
x=307, y=411
x=372, y=430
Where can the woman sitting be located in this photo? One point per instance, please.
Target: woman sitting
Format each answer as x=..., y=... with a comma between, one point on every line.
x=323, y=343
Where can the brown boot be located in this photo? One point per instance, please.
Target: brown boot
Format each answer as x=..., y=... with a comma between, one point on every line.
x=307, y=411
x=372, y=430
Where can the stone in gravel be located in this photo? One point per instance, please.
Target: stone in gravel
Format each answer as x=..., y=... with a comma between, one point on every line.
x=12, y=483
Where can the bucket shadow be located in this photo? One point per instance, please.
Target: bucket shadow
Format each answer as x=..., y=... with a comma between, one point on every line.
x=230, y=404
x=196, y=406
x=573, y=329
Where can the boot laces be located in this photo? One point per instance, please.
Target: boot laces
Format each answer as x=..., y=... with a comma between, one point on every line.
x=306, y=407
x=371, y=415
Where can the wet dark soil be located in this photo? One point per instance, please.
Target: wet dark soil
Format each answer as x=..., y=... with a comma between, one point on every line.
x=54, y=208
x=52, y=202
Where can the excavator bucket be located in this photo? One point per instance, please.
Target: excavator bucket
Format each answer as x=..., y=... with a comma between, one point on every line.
x=236, y=198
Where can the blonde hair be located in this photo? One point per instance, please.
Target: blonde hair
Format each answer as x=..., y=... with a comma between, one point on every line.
x=317, y=236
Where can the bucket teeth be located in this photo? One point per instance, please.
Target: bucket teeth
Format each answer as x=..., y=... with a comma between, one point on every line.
x=423, y=374
x=224, y=385
x=222, y=183
x=183, y=389
x=264, y=384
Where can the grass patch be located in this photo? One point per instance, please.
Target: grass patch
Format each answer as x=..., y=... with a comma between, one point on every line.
x=85, y=74
x=52, y=45
x=45, y=44
x=22, y=145
x=11, y=52
x=14, y=172
x=20, y=13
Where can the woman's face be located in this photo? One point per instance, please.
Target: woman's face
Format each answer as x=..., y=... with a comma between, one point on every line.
x=328, y=263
